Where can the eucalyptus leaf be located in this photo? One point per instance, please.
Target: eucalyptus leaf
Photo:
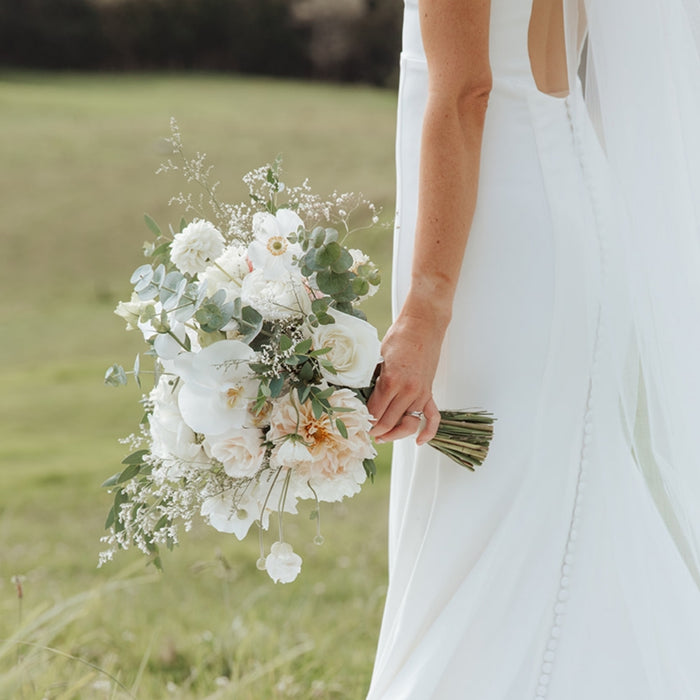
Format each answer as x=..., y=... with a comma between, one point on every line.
x=360, y=286
x=319, y=306
x=210, y=318
x=328, y=254
x=343, y=263
x=151, y=291
x=332, y=283
x=137, y=369
x=141, y=277
x=115, y=376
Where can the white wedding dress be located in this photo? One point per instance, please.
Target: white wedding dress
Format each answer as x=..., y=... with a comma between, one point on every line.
x=564, y=567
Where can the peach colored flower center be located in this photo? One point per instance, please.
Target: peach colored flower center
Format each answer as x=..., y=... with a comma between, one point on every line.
x=316, y=431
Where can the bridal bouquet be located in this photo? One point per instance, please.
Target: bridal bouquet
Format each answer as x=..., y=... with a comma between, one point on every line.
x=263, y=363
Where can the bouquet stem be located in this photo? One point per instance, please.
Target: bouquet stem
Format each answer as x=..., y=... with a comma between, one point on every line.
x=464, y=436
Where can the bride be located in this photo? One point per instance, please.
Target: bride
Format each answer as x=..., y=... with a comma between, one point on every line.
x=547, y=268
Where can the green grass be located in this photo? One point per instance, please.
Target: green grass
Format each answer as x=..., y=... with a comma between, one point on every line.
x=78, y=156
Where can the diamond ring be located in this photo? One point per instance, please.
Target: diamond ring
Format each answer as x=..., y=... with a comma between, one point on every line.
x=416, y=414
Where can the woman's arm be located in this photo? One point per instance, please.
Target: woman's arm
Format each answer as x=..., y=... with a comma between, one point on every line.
x=456, y=41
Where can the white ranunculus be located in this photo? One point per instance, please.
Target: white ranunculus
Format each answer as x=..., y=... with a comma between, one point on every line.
x=240, y=450
x=276, y=300
x=282, y=564
x=354, y=349
x=270, y=249
x=196, y=246
x=131, y=310
x=228, y=273
x=218, y=385
x=173, y=442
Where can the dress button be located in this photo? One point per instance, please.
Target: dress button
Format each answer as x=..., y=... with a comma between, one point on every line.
x=556, y=632
x=544, y=679
x=569, y=559
x=566, y=569
x=552, y=644
x=558, y=619
x=549, y=656
x=559, y=608
x=588, y=427
x=563, y=596
x=564, y=581
x=547, y=668
x=587, y=439
x=573, y=534
x=541, y=692
x=584, y=462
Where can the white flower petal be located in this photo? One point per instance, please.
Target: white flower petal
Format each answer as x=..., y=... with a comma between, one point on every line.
x=282, y=564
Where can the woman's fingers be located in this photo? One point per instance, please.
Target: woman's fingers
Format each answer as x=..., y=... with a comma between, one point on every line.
x=391, y=417
x=408, y=425
x=431, y=423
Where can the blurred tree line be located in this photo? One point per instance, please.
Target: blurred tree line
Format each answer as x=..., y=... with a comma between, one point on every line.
x=347, y=40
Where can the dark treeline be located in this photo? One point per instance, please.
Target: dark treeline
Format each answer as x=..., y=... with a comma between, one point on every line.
x=348, y=40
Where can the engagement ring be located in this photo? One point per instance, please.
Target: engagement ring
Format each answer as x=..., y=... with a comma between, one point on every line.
x=416, y=414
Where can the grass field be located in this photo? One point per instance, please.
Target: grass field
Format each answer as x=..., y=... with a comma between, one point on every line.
x=77, y=162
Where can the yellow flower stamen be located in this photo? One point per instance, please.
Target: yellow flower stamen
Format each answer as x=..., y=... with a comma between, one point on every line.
x=233, y=396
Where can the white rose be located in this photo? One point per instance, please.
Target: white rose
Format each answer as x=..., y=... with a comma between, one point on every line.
x=194, y=248
x=271, y=250
x=241, y=451
x=282, y=564
x=354, y=349
x=228, y=273
x=276, y=300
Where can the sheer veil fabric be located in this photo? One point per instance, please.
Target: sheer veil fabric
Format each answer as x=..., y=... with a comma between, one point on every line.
x=568, y=566
x=643, y=94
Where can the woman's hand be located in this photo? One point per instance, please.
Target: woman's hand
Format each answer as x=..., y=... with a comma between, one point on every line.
x=411, y=349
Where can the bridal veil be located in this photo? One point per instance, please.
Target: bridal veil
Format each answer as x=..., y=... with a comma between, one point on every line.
x=642, y=92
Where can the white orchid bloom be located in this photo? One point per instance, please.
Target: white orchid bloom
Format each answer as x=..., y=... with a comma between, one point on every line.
x=217, y=386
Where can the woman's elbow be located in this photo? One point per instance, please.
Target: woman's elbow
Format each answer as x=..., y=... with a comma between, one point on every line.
x=473, y=99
